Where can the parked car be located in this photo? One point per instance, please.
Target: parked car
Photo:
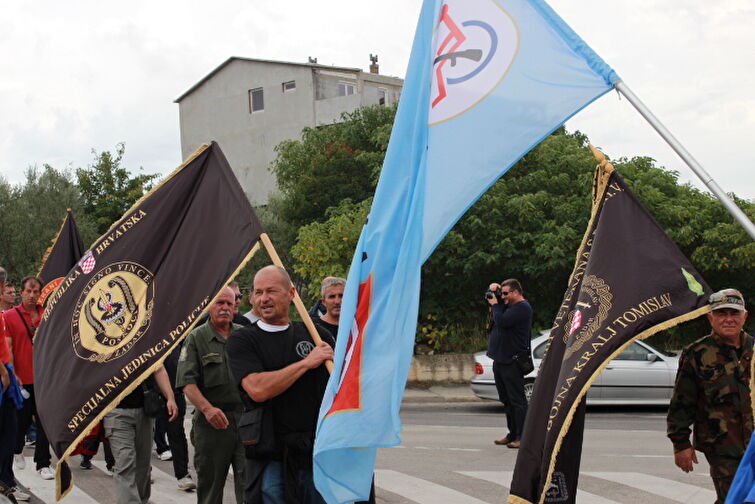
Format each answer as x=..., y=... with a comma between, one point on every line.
x=640, y=375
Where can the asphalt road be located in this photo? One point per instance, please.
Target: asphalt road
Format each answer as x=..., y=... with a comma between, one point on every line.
x=447, y=455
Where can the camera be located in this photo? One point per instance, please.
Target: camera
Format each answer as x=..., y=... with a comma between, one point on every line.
x=489, y=294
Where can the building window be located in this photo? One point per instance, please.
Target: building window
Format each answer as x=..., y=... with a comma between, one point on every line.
x=345, y=89
x=381, y=96
x=256, y=100
x=289, y=86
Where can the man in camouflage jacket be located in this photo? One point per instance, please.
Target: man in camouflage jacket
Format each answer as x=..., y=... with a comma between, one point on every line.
x=712, y=394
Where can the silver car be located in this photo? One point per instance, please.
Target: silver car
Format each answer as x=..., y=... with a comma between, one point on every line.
x=640, y=375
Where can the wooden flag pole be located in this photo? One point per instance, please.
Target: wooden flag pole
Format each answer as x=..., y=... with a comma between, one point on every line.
x=297, y=300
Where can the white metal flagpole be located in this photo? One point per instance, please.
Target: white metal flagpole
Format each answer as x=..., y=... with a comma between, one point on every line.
x=711, y=184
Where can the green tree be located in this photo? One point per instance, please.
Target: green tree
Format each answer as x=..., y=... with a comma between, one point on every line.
x=31, y=214
x=325, y=248
x=529, y=225
x=109, y=189
x=332, y=163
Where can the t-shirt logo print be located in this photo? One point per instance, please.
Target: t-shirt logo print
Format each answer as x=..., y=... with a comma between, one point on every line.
x=303, y=348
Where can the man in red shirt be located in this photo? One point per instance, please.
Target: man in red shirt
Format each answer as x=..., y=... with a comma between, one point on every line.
x=7, y=418
x=21, y=323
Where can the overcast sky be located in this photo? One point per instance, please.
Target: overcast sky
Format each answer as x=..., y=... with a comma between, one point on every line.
x=82, y=75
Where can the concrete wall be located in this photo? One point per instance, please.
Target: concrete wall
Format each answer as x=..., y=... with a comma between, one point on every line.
x=219, y=109
x=444, y=368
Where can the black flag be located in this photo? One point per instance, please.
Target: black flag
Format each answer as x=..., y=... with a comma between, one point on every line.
x=136, y=293
x=629, y=281
x=62, y=255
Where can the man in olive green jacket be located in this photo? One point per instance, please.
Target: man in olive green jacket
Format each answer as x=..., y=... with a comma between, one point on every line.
x=205, y=376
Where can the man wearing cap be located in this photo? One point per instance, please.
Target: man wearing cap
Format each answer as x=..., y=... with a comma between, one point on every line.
x=712, y=394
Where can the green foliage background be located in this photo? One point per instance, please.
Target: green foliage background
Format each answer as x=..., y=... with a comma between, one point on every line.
x=31, y=212
x=528, y=225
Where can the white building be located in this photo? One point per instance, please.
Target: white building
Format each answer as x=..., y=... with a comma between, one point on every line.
x=250, y=105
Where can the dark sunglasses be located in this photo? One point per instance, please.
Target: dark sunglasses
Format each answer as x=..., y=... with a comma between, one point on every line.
x=238, y=296
x=505, y=293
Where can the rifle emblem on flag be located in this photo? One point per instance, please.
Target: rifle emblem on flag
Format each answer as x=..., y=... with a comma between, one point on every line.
x=476, y=43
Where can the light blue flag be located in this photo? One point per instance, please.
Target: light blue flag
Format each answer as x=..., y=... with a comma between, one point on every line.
x=487, y=81
x=742, y=489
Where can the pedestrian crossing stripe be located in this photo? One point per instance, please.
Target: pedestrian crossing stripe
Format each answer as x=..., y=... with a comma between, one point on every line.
x=503, y=478
x=682, y=492
x=419, y=490
x=45, y=489
x=164, y=489
x=411, y=488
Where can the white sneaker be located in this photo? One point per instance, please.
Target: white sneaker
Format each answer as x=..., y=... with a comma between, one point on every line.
x=19, y=495
x=166, y=455
x=47, y=473
x=186, y=483
x=19, y=462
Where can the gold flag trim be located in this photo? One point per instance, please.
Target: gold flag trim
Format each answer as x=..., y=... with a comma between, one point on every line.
x=59, y=494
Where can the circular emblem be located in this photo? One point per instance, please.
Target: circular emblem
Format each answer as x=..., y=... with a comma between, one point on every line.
x=475, y=44
x=595, y=301
x=303, y=348
x=113, y=311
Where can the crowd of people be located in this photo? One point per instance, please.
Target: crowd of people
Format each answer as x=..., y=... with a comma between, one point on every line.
x=257, y=370
x=256, y=381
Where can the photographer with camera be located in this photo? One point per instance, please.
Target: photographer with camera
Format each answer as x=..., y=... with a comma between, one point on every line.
x=510, y=339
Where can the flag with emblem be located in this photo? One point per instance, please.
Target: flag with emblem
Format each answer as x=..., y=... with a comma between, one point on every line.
x=141, y=288
x=629, y=282
x=61, y=256
x=487, y=80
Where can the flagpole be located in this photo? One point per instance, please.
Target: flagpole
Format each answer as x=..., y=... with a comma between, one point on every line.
x=297, y=300
x=703, y=175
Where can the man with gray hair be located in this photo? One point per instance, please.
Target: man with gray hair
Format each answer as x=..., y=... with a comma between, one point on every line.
x=711, y=398
x=205, y=375
x=331, y=293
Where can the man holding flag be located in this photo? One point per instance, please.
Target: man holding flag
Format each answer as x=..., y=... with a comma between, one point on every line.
x=712, y=392
x=279, y=368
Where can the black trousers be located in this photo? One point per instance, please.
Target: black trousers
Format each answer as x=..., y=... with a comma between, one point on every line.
x=510, y=385
x=24, y=416
x=7, y=440
x=176, y=437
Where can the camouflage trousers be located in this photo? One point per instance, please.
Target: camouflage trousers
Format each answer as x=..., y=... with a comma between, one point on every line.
x=722, y=471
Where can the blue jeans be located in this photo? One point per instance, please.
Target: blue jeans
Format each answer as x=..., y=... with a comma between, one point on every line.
x=273, y=486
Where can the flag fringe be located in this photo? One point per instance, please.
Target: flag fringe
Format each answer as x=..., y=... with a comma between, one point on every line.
x=515, y=499
x=138, y=202
x=570, y=415
x=53, y=242
x=138, y=381
x=602, y=175
x=144, y=375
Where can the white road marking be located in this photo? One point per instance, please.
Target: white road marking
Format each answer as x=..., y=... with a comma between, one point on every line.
x=419, y=490
x=503, y=478
x=164, y=489
x=45, y=489
x=668, y=488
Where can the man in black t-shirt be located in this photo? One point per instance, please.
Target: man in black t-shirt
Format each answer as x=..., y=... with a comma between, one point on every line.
x=275, y=361
x=332, y=297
